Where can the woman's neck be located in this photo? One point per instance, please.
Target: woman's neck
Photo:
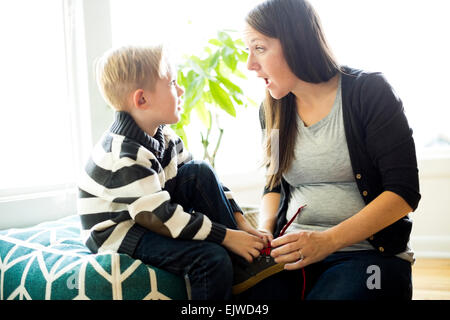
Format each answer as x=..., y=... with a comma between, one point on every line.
x=315, y=101
x=310, y=95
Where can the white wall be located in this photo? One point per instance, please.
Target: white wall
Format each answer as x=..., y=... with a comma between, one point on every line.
x=431, y=221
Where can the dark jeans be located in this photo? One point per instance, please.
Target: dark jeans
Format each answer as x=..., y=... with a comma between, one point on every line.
x=207, y=265
x=357, y=275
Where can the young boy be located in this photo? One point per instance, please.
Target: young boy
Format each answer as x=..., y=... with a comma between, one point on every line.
x=140, y=193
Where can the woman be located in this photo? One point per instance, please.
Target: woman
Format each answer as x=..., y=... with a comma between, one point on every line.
x=345, y=151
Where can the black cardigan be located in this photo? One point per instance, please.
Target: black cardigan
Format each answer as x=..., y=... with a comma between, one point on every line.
x=381, y=148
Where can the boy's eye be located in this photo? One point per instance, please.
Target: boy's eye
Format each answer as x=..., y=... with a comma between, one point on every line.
x=259, y=48
x=173, y=82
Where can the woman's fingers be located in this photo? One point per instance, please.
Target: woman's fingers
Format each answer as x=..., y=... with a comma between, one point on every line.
x=285, y=245
x=287, y=238
x=289, y=256
x=296, y=265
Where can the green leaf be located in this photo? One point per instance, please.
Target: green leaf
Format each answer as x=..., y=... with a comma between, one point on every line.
x=229, y=85
x=196, y=65
x=214, y=60
x=229, y=58
x=237, y=99
x=181, y=133
x=215, y=42
x=194, y=91
x=223, y=70
x=226, y=39
x=221, y=98
x=181, y=78
x=239, y=43
x=243, y=56
x=238, y=73
x=203, y=114
x=252, y=102
x=207, y=97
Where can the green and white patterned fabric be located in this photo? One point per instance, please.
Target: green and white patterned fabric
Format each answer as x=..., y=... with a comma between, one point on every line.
x=49, y=261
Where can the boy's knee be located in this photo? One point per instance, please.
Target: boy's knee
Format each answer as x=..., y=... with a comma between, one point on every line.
x=202, y=169
x=197, y=166
x=202, y=166
x=219, y=260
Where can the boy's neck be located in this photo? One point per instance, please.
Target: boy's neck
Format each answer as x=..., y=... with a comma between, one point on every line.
x=126, y=125
x=147, y=128
x=146, y=125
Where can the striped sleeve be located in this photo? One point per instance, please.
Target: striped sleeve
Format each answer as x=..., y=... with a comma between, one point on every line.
x=122, y=183
x=234, y=206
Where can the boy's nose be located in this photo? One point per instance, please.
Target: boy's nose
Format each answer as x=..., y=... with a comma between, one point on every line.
x=180, y=91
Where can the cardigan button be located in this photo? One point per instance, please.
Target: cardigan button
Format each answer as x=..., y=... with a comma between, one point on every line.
x=358, y=176
x=365, y=193
x=381, y=249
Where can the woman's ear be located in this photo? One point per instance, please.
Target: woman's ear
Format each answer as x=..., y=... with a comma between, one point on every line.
x=140, y=100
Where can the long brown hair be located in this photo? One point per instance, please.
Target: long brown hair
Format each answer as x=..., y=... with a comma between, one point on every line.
x=296, y=24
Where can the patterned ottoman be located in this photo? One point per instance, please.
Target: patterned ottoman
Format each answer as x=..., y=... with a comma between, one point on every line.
x=50, y=262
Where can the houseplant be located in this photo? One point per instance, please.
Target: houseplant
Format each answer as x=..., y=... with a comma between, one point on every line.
x=211, y=82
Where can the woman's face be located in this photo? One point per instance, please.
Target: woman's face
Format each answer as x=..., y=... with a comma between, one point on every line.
x=267, y=59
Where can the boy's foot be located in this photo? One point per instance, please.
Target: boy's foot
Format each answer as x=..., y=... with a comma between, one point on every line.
x=246, y=275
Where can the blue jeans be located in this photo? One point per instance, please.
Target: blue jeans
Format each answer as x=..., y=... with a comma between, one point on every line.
x=357, y=275
x=206, y=265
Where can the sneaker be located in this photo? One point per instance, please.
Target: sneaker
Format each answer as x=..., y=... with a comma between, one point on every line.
x=246, y=275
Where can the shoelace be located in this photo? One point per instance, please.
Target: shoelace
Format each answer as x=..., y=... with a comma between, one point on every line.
x=266, y=251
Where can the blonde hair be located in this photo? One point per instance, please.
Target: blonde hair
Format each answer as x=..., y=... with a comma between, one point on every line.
x=120, y=71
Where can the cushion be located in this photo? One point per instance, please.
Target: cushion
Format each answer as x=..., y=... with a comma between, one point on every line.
x=49, y=261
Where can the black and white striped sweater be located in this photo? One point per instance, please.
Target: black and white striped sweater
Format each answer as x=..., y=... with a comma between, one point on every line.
x=125, y=189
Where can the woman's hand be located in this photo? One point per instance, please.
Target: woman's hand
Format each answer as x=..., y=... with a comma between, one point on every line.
x=299, y=249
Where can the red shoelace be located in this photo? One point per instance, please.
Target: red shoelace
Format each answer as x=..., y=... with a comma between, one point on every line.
x=266, y=251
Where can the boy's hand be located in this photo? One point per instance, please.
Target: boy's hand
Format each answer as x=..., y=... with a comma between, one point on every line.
x=244, y=225
x=243, y=244
x=266, y=236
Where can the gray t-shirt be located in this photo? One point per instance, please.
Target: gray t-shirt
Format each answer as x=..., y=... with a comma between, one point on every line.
x=321, y=176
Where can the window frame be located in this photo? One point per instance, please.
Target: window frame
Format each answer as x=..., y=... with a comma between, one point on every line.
x=87, y=29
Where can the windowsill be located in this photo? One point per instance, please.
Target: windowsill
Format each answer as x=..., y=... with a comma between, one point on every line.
x=434, y=165
x=33, y=206
x=14, y=194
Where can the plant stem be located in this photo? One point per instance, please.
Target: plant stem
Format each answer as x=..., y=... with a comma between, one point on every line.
x=217, y=147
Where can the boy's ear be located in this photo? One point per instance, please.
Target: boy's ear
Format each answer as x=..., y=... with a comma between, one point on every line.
x=139, y=99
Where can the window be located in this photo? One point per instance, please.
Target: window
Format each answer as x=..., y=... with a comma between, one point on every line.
x=36, y=138
x=48, y=124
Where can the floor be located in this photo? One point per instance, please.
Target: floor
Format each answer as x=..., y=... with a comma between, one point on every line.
x=431, y=279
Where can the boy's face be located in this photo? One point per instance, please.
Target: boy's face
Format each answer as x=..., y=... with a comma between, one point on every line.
x=166, y=99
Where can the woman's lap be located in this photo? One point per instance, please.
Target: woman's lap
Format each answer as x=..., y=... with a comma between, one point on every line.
x=360, y=275
x=357, y=275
